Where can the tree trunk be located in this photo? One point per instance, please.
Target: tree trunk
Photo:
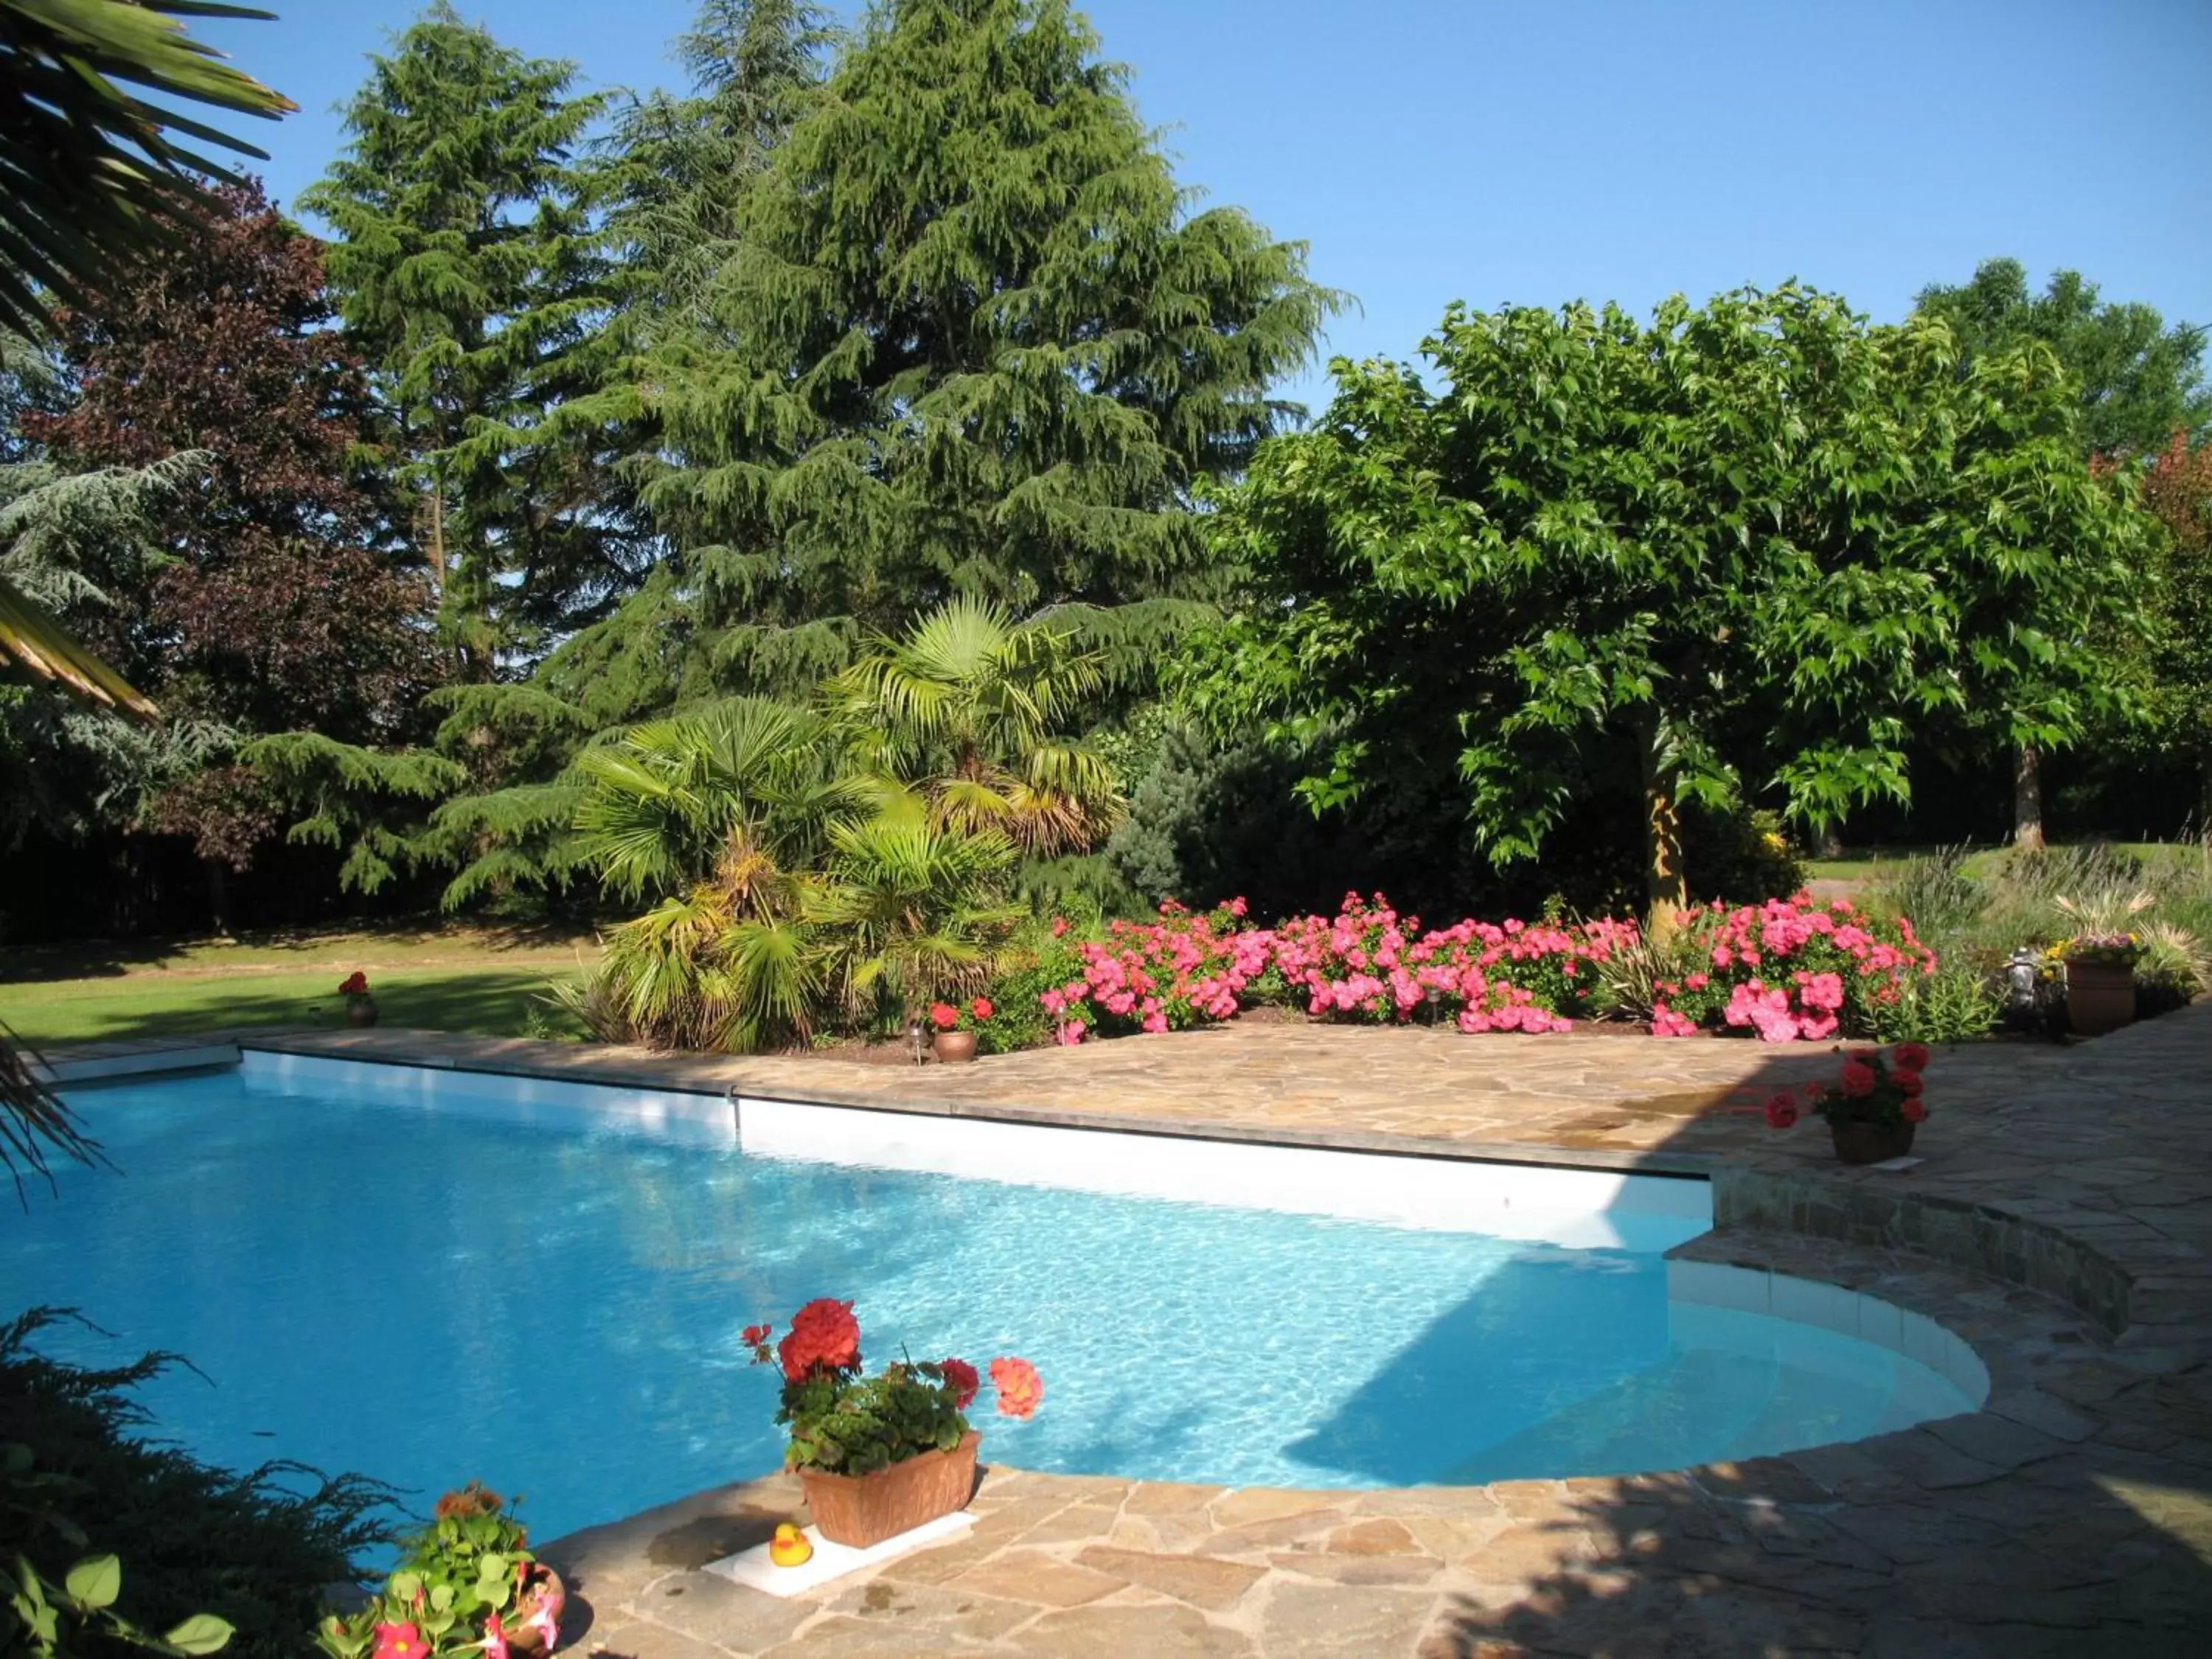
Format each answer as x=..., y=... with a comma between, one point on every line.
x=2028, y=799
x=218, y=887
x=1665, y=885
x=1831, y=843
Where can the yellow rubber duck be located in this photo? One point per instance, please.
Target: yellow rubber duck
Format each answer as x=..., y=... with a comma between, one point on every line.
x=790, y=1547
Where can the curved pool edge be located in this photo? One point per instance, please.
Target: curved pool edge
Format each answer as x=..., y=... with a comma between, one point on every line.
x=2088, y=1449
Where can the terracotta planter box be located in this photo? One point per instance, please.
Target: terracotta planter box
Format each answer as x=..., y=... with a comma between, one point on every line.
x=860, y=1509
x=952, y=1048
x=1870, y=1143
x=2100, y=997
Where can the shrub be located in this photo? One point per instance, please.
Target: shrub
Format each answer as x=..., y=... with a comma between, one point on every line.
x=1791, y=969
x=255, y=1550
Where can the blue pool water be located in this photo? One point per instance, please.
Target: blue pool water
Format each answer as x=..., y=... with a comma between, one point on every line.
x=426, y=1292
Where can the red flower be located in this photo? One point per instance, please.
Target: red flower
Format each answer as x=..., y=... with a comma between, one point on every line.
x=356, y=985
x=980, y=1007
x=396, y=1641
x=1019, y=1386
x=1858, y=1079
x=1912, y=1055
x=1914, y=1111
x=1781, y=1110
x=824, y=1333
x=960, y=1377
x=756, y=1334
x=944, y=1016
x=1907, y=1082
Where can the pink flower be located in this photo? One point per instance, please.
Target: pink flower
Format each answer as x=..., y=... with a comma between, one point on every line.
x=1020, y=1388
x=495, y=1641
x=1072, y=1033
x=399, y=1641
x=1059, y=926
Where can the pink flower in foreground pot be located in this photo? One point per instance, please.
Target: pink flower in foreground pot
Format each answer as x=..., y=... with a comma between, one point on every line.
x=395, y=1641
x=964, y=1382
x=495, y=1641
x=1020, y=1388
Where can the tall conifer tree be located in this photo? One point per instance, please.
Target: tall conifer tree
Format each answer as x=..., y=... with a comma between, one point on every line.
x=473, y=280
x=969, y=337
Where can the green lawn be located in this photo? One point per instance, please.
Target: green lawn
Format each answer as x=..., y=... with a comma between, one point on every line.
x=1871, y=867
x=452, y=978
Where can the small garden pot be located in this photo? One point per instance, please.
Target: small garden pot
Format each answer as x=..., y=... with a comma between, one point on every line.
x=2100, y=996
x=545, y=1590
x=1859, y=1142
x=952, y=1048
x=360, y=1011
x=860, y=1509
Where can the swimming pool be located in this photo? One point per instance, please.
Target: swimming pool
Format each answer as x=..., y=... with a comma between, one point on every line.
x=428, y=1276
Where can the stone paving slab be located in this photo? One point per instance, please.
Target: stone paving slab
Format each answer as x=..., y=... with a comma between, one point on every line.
x=2061, y=1223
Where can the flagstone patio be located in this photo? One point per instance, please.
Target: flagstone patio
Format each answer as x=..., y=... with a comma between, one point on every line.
x=2061, y=1223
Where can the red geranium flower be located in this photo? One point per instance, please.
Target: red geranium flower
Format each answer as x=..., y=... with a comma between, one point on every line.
x=1914, y=1111
x=1781, y=1110
x=980, y=1007
x=756, y=1334
x=1858, y=1079
x=960, y=1377
x=1020, y=1388
x=944, y=1016
x=1913, y=1056
x=356, y=985
x=1907, y=1082
x=823, y=1333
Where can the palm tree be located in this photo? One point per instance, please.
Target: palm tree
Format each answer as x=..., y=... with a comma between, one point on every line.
x=910, y=911
x=976, y=707
x=90, y=175
x=90, y=178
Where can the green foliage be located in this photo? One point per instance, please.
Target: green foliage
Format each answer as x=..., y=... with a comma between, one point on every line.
x=1745, y=550
x=96, y=175
x=2137, y=381
x=859, y=1425
x=467, y=1567
x=1956, y=1004
x=472, y=278
x=967, y=340
x=202, y=1549
x=355, y=798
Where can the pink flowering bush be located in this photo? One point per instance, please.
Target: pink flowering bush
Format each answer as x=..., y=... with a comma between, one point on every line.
x=1187, y=968
x=1368, y=962
x=1789, y=969
x=1783, y=970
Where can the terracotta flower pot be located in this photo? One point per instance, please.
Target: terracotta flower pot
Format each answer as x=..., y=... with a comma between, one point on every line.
x=1861, y=1142
x=545, y=1590
x=361, y=1011
x=953, y=1047
x=2100, y=996
x=860, y=1509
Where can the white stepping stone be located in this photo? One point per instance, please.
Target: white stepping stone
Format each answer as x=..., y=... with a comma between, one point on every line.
x=830, y=1562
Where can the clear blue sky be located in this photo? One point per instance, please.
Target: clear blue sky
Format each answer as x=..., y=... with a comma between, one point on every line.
x=1537, y=151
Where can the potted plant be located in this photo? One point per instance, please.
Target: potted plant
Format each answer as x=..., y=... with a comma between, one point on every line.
x=878, y=1456
x=955, y=1027
x=2101, y=981
x=1871, y=1108
x=360, y=1007
x=466, y=1585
